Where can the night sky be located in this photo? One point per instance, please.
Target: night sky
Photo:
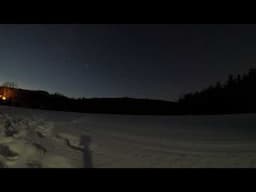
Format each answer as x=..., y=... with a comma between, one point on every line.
x=142, y=61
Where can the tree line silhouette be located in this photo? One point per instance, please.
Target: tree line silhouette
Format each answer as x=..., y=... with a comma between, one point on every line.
x=236, y=95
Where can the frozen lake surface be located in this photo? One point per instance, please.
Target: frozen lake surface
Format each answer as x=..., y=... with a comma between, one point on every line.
x=157, y=141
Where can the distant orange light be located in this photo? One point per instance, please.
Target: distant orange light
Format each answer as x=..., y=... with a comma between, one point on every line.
x=4, y=98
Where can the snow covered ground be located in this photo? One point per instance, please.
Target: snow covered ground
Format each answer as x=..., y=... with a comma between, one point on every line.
x=124, y=141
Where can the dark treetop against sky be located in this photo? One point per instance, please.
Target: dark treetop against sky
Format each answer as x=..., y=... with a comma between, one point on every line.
x=152, y=61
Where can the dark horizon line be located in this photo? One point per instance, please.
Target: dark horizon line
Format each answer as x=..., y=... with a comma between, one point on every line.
x=122, y=97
